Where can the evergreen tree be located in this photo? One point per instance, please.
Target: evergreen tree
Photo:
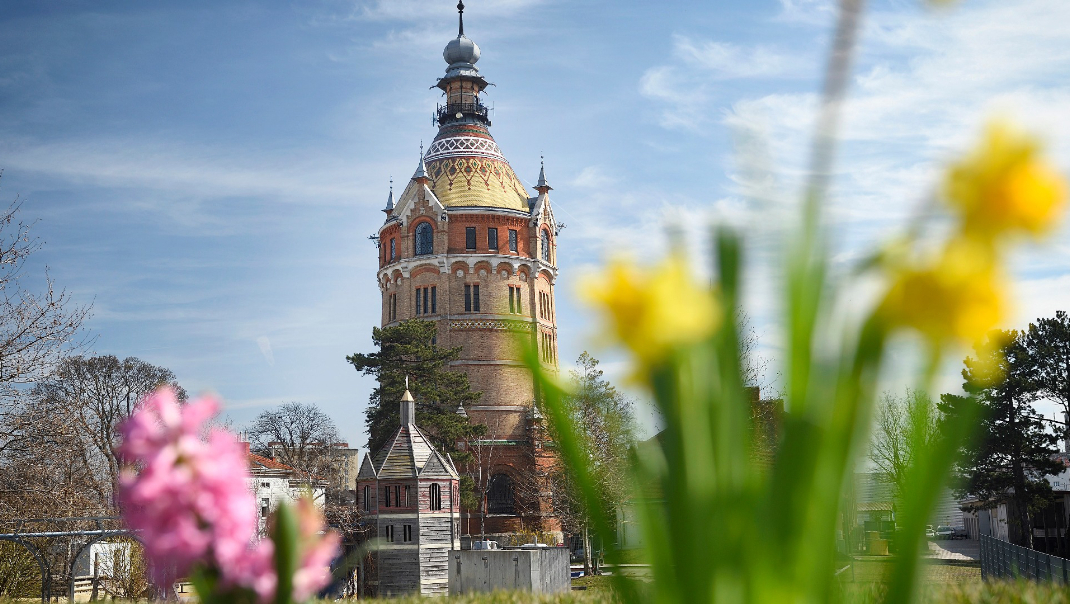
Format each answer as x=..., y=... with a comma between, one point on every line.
x=409, y=349
x=1012, y=453
x=1048, y=342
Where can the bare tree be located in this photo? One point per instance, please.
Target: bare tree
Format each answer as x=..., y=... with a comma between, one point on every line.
x=606, y=418
x=39, y=327
x=906, y=426
x=485, y=454
x=95, y=394
x=300, y=436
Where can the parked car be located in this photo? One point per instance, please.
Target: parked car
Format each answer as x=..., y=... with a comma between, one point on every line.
x=944, y=532
x=930, y=532
x=960, y=533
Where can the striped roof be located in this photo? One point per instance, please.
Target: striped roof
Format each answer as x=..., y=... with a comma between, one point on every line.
x=408, y=454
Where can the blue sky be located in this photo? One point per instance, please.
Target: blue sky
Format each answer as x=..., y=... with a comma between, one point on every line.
x=206, y=174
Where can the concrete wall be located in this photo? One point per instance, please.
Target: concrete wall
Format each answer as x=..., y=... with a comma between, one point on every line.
x=540, y=570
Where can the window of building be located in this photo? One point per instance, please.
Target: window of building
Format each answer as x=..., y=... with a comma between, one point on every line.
x=265, y=505
x=435, y=496
x=471, y=297
x=426, y=300
x=393, y=249
x=388, y=533
x=397, y=496
x=425, y=239
x=265, y=485
x=492, y=238
x=500, y=494
x=545, y=246
x=405, y=496
x=386, y=497
x=406, y=531
x=512, y=240
x=367, y=498
x=470, y=238
x=392, y=307
x=515, y=305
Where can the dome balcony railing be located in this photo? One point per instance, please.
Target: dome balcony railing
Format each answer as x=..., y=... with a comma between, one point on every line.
x=449, y=111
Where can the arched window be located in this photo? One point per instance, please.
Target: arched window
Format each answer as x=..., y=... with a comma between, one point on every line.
x=500, y=495
x=435, y=493
x=545, y=246
x=425, y=240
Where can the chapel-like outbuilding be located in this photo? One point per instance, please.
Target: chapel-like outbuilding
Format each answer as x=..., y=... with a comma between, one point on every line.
x=409, y=492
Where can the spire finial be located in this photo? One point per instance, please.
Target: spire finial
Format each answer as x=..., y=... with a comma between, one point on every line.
x=460, y=18
x=542, y=186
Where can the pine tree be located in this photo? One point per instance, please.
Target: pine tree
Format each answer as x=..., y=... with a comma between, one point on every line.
x=1012, y=453
x=408, y=349
x=1048, y=342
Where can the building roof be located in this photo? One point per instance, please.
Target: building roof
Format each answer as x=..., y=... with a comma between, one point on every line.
x=408, y=454
x=467, y=168
x=261, y=462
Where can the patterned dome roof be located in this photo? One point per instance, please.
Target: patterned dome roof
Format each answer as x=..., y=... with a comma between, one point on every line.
x=467, y=168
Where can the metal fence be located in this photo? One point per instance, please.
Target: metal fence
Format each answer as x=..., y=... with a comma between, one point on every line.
x=1001, y=559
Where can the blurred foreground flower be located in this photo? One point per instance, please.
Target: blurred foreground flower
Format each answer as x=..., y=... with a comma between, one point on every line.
x=1004, y=186
x=189, y=499
x=652, y=310
x=960, y=297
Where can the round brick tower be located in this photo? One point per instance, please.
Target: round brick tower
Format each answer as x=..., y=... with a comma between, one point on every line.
x=467, y=246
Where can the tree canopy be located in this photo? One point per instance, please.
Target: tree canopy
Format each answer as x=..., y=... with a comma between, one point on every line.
x=409, y=349
x=1012, y=453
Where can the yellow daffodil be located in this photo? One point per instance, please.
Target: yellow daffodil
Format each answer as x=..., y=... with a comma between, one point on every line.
x=652, y=310
x=959, y=297
x=1004, y=186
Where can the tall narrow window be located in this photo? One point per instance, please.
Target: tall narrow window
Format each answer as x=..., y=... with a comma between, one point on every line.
x=519, y=305
x=425, y=239
x=467, y=298
x=397, y=496
x=512, y=240
x=388, y=532
x=470, y=238
x=434, y=301
x=512, y=306
x=475, y=298
x=386, y=497
x=427, y=300
x=367, y=498
x=545, y=246
x=492, y=238
x=435, y=496
x=406, y=532
x=393, y=248
x=418, y=301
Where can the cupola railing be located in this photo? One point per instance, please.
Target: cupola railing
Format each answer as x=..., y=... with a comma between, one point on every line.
x=449, y=111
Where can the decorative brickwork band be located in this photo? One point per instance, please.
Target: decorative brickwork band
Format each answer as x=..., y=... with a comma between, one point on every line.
x=495, y=324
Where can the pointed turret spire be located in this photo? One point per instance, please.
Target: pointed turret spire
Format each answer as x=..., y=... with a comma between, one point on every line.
x=390, y=198
x=421, y=170
x=460, y=18
x=542, y=186
x=408, y=406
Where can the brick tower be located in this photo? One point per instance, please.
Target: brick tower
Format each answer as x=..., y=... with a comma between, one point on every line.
x=467, y=246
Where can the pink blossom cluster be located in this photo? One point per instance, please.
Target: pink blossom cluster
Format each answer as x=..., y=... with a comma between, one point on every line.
x=189, y=498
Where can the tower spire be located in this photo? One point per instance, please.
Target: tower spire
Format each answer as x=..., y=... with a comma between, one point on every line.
x=460, y=18
x=390, y=198
x=542, y=186
x=421, y=169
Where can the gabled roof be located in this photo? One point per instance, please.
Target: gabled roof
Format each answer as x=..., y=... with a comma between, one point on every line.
x=408, y=454
x=438, y=466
